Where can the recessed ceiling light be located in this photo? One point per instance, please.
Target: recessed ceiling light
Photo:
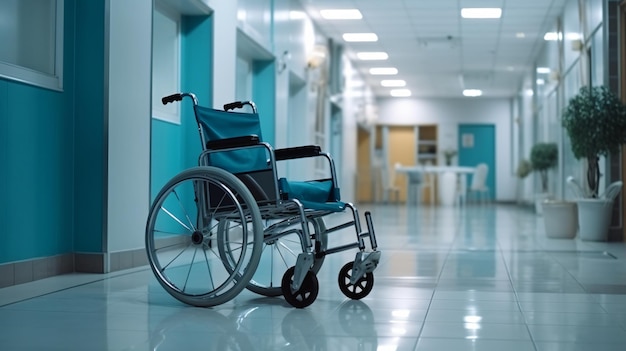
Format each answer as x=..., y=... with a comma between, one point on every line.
x=381, y=71
x=400, y=93
x=541, y=82
x=472, y=92
x=374, y=55
x=360, y=37
x=481, y=12
x=341, y=14
x=393, y=83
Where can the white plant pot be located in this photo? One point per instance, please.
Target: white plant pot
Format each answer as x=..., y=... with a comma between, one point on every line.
x=560, y=219
x=539, y=199
x=594, y=218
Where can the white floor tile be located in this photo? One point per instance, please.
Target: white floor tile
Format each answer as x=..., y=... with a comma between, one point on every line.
x=482, y=279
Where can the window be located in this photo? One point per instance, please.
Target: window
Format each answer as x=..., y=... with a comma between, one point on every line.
x=165, y=63
x=31, y=33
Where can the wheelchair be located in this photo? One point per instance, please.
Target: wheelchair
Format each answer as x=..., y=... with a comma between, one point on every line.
x=231, y=223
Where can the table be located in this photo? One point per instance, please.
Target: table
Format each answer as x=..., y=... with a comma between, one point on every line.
x=449, y=178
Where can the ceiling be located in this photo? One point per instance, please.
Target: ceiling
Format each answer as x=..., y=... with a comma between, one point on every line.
x=437, y=52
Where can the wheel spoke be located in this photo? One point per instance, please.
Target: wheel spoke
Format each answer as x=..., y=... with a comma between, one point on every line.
x=176, y=219
x=208, y=266
x=193, y=258
x=184, y=210
x=175, y=257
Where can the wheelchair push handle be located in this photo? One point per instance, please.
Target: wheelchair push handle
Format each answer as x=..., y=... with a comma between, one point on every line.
x=178, y=97
x=239, y=104
x=171, y=98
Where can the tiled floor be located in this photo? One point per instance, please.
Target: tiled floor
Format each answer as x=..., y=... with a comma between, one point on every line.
x=485, y=278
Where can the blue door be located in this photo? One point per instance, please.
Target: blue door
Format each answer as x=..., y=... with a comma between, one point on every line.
x=477, y=145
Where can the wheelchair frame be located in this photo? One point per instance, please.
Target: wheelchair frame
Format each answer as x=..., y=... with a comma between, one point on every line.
x=229, y=220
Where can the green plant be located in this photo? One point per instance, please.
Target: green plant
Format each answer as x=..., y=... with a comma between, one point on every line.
x=595, y=121
x=524, y=168
x=449, y=154
x=544, y=156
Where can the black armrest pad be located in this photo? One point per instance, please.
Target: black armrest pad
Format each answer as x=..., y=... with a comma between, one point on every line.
x=246, y=140
x=297, y=152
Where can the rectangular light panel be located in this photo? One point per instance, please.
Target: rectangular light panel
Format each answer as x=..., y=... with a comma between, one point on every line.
x=481, y=12
x=341, y=14
x=374, y=55
x=382, y=71
x=360, y=37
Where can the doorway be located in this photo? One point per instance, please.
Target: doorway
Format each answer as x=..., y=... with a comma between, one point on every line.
x=477, y=145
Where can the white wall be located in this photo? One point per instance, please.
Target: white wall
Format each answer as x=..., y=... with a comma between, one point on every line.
x=224, y=51
x=448, y=114
x=129, y=101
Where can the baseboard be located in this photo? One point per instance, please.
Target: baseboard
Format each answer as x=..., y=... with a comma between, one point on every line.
x=26, y=271
x=21, y=272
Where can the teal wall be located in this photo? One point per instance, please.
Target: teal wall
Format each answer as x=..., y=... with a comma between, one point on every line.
x=36, y=160
x=264, y=95
x=177, y=147
x=89, y=127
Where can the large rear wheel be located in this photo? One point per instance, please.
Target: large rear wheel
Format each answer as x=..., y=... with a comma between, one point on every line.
x=182, y=242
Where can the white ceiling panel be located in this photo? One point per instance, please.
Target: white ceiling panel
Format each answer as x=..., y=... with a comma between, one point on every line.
x=432, y=46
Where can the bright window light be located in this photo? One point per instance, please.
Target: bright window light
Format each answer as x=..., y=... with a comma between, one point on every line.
x=400, y=93
x=360, y=37
x=341, y=14
x=393, y=83
x=485, y=12
x=541, y=82
x=472, y=92
x=296, y=15
x=552, y=36
x=573, y=36
x=544, y=70
x=375, y=55
x=382, y=71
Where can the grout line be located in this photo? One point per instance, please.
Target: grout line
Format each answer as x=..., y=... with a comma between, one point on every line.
x=87, y=279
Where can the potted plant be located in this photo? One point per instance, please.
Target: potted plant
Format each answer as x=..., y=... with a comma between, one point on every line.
x=595, y=121
x=449, y=154
x=524, y=168
x=543, y=157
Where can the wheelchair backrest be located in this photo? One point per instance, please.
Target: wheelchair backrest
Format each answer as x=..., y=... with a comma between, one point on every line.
x=219, y=125
x=251, y=163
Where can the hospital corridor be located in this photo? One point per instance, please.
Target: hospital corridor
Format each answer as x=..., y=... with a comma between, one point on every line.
x=341, y=175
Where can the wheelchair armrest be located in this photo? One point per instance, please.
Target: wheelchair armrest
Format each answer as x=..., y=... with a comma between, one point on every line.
x=246, y=140
x=297, y=152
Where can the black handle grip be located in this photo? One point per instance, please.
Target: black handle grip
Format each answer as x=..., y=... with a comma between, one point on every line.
x=174, y=97
x=233, y=105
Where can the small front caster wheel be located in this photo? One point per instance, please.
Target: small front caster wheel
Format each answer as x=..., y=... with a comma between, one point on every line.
x=360, y=288
x=307, y=293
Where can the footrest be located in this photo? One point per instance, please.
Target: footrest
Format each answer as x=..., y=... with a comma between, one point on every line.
x=303, y=264
x=365, y=262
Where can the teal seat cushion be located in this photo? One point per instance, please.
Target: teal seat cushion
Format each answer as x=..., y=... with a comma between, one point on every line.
x=317, y=195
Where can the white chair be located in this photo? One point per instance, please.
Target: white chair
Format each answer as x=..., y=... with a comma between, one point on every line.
x=479, y=183
x=461, y=189
x=388, y=177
